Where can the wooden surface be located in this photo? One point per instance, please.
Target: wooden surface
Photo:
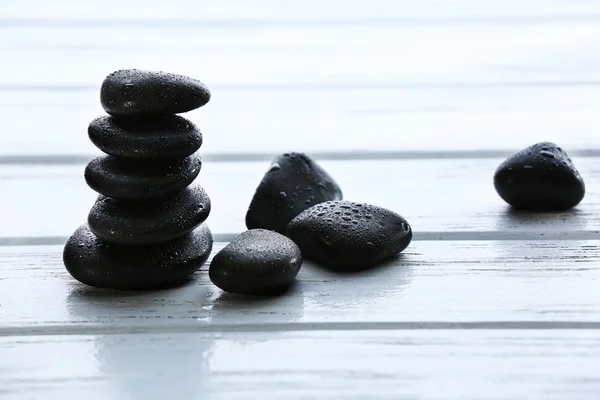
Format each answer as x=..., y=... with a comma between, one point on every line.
x=410, y=105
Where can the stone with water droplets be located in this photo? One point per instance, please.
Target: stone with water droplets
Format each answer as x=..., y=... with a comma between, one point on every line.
x=148, y=222
x=96, y=263
x=256, y=262
x=541, y=177
x=293, y=183
x=122, y=178
x=130, y=92
x=150, y=137
x=347, y=236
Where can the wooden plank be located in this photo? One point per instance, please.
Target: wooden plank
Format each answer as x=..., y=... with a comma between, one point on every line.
x=333, y=365
x=450, y=198
x=351, y=121
x=509, y=283
x=310, y=10
x=358, y=85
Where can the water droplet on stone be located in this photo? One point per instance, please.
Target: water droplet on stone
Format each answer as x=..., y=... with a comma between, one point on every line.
x=547, y=154
x=274, y=167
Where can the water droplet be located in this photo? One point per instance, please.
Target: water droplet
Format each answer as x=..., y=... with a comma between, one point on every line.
x=274, y=167
x=283, y=195
x=200, y=206
x=338, y=212
x=162, y=138
x=355, y=210
x=346, y=218
x=81, y=245
x=329, y=220
x=368, y=216
x=307, y=201
x=344, y=225
x=547, y=154
x=369, y=244
x=527, y=167
x=320, y=213
x=345, y=206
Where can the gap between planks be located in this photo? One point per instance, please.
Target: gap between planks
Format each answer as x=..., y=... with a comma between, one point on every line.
x=417, y=236
x=358, y=155
x=70, y=330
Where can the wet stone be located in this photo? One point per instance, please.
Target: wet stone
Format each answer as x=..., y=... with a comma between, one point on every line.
x=130, y=92
x=348, y=236
x=257, y=262
x=293, y=183
x=96, y=263
x=135, y=180
x=541, y=177
x=148, y=222
x=148, y=137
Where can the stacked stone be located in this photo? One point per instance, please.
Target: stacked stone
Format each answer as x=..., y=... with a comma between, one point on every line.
x=147, y=228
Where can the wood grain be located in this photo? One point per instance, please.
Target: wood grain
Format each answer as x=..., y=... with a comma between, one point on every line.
x=394, y=76
x=451, y=199
x=355, y=121
x=511, y=283
x=331, y=364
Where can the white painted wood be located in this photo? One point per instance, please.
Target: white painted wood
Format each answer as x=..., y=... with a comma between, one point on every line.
x=310, y=10
x=509, y=283
x=259, y=120
x=548, y=365
x=449, y=197
x=335, y=76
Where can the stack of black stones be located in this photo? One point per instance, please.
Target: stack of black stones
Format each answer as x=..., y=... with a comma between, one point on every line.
x=147, y=228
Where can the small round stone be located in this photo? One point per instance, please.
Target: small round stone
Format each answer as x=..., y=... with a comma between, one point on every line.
x=347, y=236
x=123, y=178
x=149, y=137
x=257, y=262
x=541, y=177
x=148, y=222
x=111, y=266
x=141, y=92
x=293, y=183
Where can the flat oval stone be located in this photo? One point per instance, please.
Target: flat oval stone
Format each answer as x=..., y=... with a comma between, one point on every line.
x=138, y=92
x=149, y=137
x=133, y=179
x=293, y=183
x=347, y=236
x=541, y=177
x=256, y=262
x=148, y=222
x=111, y=266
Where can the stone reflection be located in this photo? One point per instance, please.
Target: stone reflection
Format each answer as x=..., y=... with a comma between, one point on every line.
x=158, y=345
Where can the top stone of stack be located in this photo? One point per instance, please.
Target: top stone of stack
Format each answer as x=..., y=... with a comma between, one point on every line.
x=134, y=92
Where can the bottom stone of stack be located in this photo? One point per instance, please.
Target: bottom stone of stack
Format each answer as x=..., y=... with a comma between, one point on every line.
x=113, y=266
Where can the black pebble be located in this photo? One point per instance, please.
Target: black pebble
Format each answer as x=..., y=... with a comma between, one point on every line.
x=257, y=262
x=123, y=178
x=167, y=136
x=293, y=183
x=541, y=177
x=147, y=222
x=347, y=236
x=138, y=92
x=111, y=266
